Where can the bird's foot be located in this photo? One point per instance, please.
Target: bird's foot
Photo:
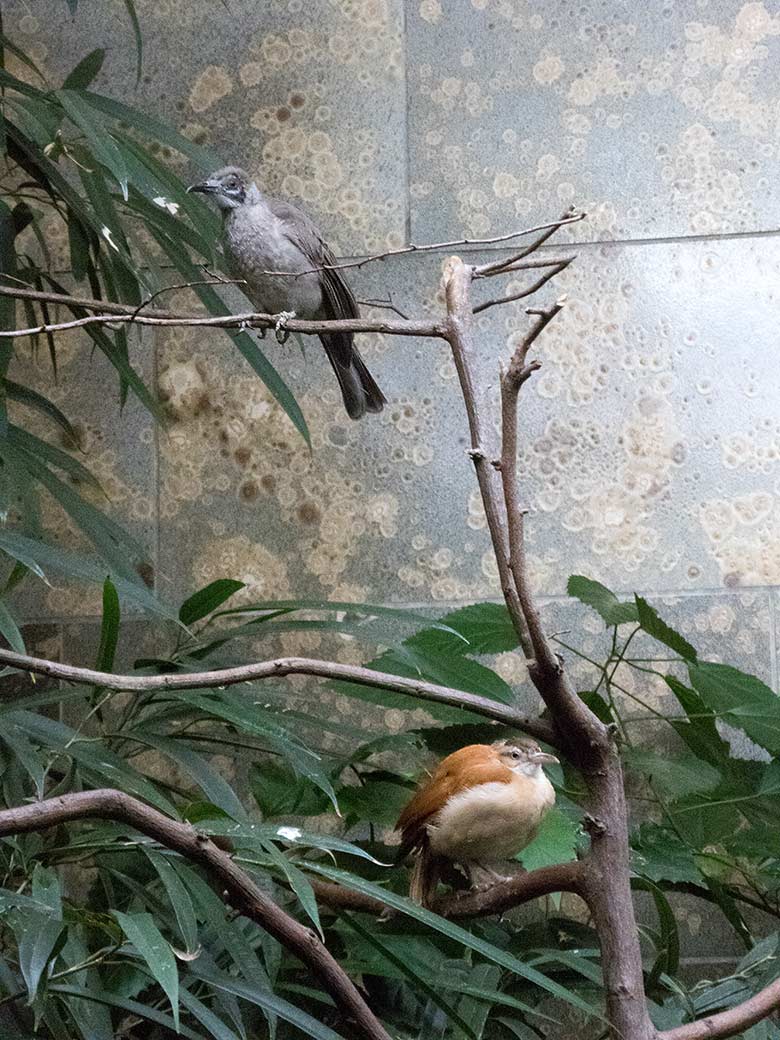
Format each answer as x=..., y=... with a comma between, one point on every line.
x=280, y=328
x=483, y=877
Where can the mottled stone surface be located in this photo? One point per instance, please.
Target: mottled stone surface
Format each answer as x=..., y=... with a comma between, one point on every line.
x=659, y=118
x=650, y=449
x=308, y=94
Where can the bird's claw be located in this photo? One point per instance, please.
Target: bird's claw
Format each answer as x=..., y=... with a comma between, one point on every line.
x=280, y=327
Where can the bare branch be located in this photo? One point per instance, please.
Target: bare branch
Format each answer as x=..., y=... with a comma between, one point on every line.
x=502, y=265
x=569, y=218
x=729, y=1023
x=503, y=896
x=236, y=885
x=529, y=291
x=279, y=667
x=118, y=313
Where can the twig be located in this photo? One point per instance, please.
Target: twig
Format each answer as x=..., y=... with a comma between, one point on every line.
x=385, y=305
x=237, y=886
x=283, y=666
x=728, y=1023
x=185, y=285
x=534, y=287
x=570, y=217
x=504, y=264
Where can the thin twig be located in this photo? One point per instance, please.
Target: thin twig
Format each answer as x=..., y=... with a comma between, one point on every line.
x=570, y=217
x=532, y=288
x=185, y=285
x=502, y=265
x=728, y=1023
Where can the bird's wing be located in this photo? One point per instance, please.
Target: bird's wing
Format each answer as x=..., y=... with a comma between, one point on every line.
x=303, y=233
x=468, y=767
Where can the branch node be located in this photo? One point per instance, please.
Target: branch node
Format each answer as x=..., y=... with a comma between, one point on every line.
x=595, y=828
x=475, y=454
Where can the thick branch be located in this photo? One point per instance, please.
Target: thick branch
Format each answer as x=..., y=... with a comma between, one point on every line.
x=280, y=667
x=244, y=895
x=731, y=1022
x=503, y=896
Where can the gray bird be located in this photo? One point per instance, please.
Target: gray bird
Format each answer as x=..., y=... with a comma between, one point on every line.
x=262, y=235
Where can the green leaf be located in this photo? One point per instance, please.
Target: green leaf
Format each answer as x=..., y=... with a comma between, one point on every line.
x=214, y=786
x=9, y=629
x=91, y=755
x=32, y=399
x=179, y=898
x=556, y=842
x=677, y=776
x=38, y=555
x=741, y=700
x=377, y=800
x=279, y=792
x=207, y=599
x=268, y=1001
x=31, y=759
x=139, y=43
x=658, y=854
x=132, y=1007
x=215, y=1026
x=153, y=128
x=699, y=730
x=109, y=628
x=36, y=945
x=257, y=834
x=597, y=596
x=668, y=944
x=299, y=883
x=407, y=970
x=656, y=627
x=94, y=128
x=264, y=724
x=486, y=628
x=144, y=934
x=451, y=931
x=87, y=69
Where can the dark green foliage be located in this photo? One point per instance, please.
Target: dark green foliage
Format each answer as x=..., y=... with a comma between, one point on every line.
x=156, y=943
x=107, y=172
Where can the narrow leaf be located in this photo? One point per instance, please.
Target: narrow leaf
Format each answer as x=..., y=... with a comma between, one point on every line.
x=658, y=629
x=207, y=599
x=87, y=69
x=144, y=934
x=597, y=596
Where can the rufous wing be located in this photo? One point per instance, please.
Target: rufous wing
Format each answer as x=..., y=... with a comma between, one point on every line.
x=467, y=767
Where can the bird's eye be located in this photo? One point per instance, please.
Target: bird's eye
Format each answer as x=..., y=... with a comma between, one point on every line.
x=515, y=753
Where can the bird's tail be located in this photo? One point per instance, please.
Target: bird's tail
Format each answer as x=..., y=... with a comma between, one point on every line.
x=425, y=876
x=358, y=388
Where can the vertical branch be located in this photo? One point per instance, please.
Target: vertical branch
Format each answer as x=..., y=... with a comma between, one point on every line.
x=583, y=737
x=457, y=282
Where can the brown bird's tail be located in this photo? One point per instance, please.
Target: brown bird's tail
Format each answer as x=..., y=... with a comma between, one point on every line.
x=426, y=873
x=360, y=392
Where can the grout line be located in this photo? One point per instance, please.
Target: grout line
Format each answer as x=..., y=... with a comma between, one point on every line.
x=774, y=622
x=407, y=137
x=558, y=247
x=450, y=605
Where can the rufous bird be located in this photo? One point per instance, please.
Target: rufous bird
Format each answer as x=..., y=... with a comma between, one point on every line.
x=482, y=805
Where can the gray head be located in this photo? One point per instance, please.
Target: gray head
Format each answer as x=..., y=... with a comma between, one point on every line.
x=523, y=756
x=229, y=187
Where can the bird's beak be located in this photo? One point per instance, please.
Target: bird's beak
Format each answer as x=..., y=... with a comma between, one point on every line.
x=543, y=759
x=208, y=187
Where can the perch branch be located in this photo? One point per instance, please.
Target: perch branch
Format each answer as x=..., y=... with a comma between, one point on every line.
x=244, y=895
x=283, y=666
x=729, y=1023
x=497, y=899
x=127, y=314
